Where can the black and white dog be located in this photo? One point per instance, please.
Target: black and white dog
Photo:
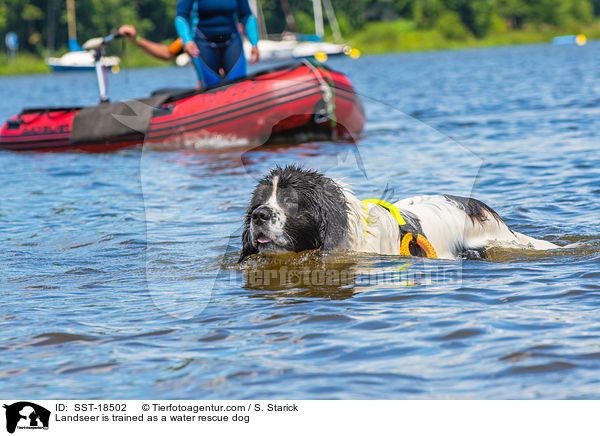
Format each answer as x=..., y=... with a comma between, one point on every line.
x=294, y=209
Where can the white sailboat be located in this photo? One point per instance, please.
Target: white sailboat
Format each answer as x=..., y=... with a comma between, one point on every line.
x=77, y=59
x=291, y=45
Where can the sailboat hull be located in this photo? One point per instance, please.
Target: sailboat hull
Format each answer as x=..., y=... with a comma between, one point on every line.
x=80, y=61
x=271, y=50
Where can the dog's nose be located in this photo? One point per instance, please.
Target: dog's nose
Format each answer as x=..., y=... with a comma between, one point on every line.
x=261, y=214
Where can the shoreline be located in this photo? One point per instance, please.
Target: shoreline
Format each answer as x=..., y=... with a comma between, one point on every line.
x=404, y=36
x=375, y=38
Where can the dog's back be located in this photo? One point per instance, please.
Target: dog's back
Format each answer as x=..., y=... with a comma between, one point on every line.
x=458, y=225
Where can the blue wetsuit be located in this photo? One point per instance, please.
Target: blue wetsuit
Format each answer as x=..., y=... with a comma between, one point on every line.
x=217, y=36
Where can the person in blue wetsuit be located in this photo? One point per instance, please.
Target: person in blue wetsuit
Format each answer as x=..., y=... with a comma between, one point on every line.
x=215, y=42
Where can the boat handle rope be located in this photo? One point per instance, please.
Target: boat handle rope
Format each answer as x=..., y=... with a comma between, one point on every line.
x=325, y=89
x=60, y=114
x=39, y=114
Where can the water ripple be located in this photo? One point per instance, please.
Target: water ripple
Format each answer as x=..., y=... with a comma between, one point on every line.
x=119, y=274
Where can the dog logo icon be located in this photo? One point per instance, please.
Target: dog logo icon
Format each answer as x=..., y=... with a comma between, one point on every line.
x=26, y=415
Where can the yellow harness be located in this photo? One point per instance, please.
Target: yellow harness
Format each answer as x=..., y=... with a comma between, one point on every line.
x=410, y=240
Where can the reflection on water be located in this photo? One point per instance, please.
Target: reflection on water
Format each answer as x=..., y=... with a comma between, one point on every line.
x=119, y=274
x=338, y=275
x=316, y=274
x=578, y=249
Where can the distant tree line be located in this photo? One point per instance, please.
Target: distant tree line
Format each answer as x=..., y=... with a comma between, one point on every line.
x=41, y=24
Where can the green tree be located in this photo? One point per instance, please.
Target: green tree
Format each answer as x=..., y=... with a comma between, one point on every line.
x=560, y=12
x=451, y=26
x=33, y=19
x=427, y=12
x=515, y=11
x=475, y=14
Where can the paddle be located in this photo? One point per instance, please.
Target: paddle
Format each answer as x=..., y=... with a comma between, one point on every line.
x=98, y=42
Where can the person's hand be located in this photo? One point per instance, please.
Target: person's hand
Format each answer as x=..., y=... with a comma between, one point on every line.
x=192, y=49
x=254, y=55
x=128, y=31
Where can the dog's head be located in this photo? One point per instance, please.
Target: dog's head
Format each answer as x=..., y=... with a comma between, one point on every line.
x=294, y=209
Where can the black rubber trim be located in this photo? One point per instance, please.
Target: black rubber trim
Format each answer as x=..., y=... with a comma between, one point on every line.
x=151, y=137
x=223, y=106
x=151, y=131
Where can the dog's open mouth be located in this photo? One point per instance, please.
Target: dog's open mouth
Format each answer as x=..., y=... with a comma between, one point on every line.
x=264, y=243
x=267, y=245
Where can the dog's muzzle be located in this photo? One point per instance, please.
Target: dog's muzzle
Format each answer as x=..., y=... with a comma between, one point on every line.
x=266, y=230
x=261, y=215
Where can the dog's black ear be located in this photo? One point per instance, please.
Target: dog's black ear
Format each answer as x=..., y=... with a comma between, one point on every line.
x=325, y=242
x=333, y=216
x=247, y=247
x=333, y=228
x=329, y=234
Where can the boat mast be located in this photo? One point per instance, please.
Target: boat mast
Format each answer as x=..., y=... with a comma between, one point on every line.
x=335, y=28
x=258, y=13
x=318, y=15
x=72, y=26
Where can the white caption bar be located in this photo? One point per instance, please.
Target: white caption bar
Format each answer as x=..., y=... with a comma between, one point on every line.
x=149, y=417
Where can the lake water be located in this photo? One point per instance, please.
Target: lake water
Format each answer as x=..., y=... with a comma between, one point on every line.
x=118, y=274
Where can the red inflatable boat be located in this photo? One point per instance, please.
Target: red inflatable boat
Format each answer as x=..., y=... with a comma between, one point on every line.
x=304, y=101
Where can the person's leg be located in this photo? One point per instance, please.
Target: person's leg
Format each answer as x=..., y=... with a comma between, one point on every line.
x=207, y=65
x=234, y=62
